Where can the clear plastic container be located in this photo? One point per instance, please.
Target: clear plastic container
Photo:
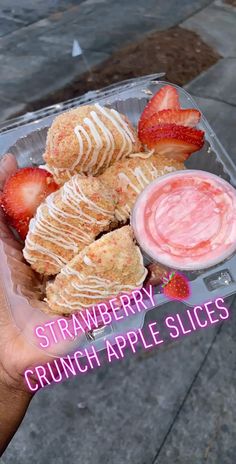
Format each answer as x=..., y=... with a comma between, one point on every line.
x=25, y=138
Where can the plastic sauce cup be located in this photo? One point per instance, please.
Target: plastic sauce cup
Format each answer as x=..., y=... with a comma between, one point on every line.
x=186, y=220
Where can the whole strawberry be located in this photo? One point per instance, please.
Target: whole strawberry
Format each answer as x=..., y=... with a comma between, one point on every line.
x=176, y=286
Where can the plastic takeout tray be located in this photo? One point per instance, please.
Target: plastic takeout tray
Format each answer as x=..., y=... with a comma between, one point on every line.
x=25, y=138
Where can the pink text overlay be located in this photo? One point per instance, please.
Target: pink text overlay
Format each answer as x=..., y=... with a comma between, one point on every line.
x=102, y=314
x=82, y=361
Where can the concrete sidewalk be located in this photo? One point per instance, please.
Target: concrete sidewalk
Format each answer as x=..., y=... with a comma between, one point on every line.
x=36, y=43
x=217, y=87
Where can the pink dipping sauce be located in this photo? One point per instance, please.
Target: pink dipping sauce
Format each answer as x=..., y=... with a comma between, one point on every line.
x=186, y=220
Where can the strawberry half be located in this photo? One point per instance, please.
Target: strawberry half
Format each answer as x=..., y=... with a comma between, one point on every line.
x=189, y=117
x=166, y=98
x=23, y=192
x=171, y=140
x=176, y=286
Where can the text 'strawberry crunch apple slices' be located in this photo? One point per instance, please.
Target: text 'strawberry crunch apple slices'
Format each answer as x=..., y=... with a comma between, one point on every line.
x=23, y=192
x=168, y=129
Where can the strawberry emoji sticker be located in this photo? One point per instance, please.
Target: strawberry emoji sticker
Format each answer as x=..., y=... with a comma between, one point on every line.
x=176, y=286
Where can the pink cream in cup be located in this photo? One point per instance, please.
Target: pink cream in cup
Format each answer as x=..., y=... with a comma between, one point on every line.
x=186, y=220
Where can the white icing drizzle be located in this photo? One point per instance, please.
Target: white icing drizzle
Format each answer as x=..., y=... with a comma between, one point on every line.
x=110, y=144
x=98, y=141
x=127, y=182
x=143, y=178
x=89, y=142
x=87, y=261
x=65, y=227
x=124, y=151
x=124, y=124
x=139, y=174
x=142, y=155
x=91, y=287
x=91, y=129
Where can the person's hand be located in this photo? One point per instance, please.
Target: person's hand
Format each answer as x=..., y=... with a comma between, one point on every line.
x=16, y=354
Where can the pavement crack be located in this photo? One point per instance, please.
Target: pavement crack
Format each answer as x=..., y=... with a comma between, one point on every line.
x=154, y=461
x=196, y=12
x=25, y=25
x=12, y=18
x=207, y=97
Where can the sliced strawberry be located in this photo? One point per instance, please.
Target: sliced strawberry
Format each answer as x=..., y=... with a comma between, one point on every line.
x=166, y=98
x=176, y=142
x=23, y=192
x=189, y=117
x=176, y=286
